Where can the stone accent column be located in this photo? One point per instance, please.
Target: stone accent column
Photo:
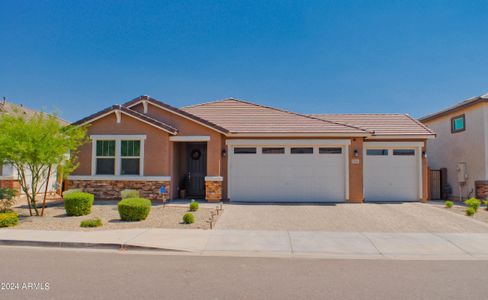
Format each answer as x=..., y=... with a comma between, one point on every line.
x=10, y=183
x=481, y=187
x=213, y=188
x=110, y=189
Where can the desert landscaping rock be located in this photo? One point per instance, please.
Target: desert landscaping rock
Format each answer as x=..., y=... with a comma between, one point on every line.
x=169, y=216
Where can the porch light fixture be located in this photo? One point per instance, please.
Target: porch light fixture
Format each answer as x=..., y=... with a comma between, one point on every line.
x=356, y=153
x=424, y=154
x=224, y=153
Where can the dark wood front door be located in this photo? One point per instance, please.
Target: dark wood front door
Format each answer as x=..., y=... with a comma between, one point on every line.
x=197, y=169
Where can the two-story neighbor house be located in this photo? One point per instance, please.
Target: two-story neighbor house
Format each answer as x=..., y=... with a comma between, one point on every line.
x=461, y=146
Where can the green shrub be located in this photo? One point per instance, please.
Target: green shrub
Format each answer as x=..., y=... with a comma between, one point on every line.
x=470, y=211
x=7, y=199
x=188, y=218
x=96, y=222
x=78, y=203
x=449, y=204
x=473, y=203
x=67, y=192
x=134, y=209
x=486, y=204
x=8, y=219
x=125, y=194
x=193, y=205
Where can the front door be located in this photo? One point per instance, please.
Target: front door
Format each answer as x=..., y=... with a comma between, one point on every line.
x=197, y=169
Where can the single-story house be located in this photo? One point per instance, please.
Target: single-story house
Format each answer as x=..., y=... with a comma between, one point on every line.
x=461, y=146
x=240, y=151
x=9, y=177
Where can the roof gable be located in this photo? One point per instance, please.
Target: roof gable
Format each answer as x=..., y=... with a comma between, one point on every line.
x=128, y=112
x=457, y=107
x=176, y=111
x=241, y=117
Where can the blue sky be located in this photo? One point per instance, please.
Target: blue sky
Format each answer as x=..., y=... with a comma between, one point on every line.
x=306, y=56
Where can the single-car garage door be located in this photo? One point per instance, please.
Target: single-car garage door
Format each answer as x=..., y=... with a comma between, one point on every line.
x=391, y=173
x=287, y=173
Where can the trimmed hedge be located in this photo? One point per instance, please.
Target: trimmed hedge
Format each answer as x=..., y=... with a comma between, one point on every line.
x=188, y=218
x=8, y=219
x=470, y=211
x=449, y=204
x=125, y=194
x=193, y=205
x=78, y=203
x=67, y=192
x=134, y=209
x=91, y=223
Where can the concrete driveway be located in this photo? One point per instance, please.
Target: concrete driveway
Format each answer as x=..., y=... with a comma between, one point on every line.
x=366, y=217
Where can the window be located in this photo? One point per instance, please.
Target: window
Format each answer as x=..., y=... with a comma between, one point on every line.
x=273, y=150
x=105, y=158
x=130, y=157
x=330, y=150
x=404, y=152
x=377, y=152
x=244, y=150
x=458, y=124
x=308, y=150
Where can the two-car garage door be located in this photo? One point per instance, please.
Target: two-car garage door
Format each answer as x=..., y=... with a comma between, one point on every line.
x=285, y=172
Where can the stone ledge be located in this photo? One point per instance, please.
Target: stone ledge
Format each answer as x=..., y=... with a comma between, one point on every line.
x=110, y=189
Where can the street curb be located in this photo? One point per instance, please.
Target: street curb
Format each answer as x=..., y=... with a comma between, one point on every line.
x=52, y=244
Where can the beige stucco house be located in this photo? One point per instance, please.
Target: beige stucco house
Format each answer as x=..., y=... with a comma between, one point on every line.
x=240, y=151
x=461, y=146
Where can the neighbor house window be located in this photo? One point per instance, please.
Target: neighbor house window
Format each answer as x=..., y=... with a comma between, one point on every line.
x=458, y=124
x=330, y=150
x=306, y=150
x=105, y=159
x=273, y=150
x=130, y=157
x=377, y=152
x=404, y=152
x=244, y=150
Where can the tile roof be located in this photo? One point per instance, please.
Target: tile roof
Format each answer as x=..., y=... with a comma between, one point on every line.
x=130, y=112
x=239, y=116
x=459, y=106
x=381, y=124
x=12, y=108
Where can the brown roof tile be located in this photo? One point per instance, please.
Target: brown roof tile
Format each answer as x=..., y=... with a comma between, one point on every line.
x=12, y=108
x=381, y=124
x=240, y=116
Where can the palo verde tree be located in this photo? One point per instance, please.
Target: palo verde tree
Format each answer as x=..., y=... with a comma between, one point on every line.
x=36, y=145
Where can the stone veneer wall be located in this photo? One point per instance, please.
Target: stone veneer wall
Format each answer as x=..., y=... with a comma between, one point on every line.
x=481, y=187
x=10, y=183
x=213, y=191
x=110, y=189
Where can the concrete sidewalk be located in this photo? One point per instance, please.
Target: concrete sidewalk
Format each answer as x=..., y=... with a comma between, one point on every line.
x=425, y=246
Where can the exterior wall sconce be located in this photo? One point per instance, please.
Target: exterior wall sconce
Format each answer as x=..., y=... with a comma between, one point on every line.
x=424, y=154
x=356, y=153
x=224, y=153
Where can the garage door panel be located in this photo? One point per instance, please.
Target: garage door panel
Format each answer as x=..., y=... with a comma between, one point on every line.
x=391, y=177
x=287, y=177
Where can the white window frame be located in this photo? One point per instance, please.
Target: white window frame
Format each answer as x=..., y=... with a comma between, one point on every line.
x=118, y=151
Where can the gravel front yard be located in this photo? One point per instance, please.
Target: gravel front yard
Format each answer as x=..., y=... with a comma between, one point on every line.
x=169, y=216
x=460, y=209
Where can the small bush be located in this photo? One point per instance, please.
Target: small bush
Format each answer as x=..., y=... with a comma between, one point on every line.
x=125, y=194
x=470, y=211
x=449, y=204
x=8, y=219
x=67, y=192
x=188, y=218
x=7, y=199
x=78, y=203
x=134, y=209
x=193, y=205
x=486, y=204
x=473, y=203
x=91, y=223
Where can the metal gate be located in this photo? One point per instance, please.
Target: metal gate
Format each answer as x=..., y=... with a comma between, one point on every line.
x=435, y=185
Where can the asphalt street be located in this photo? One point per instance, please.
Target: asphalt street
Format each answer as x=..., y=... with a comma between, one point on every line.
x=45, y=273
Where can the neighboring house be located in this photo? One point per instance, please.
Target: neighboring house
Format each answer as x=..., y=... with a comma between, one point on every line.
x=461, y=146
x=237, y=150
x=8, y=174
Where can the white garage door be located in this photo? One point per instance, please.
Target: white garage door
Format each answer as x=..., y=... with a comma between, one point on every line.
x=391, y=174
x=287, y=173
